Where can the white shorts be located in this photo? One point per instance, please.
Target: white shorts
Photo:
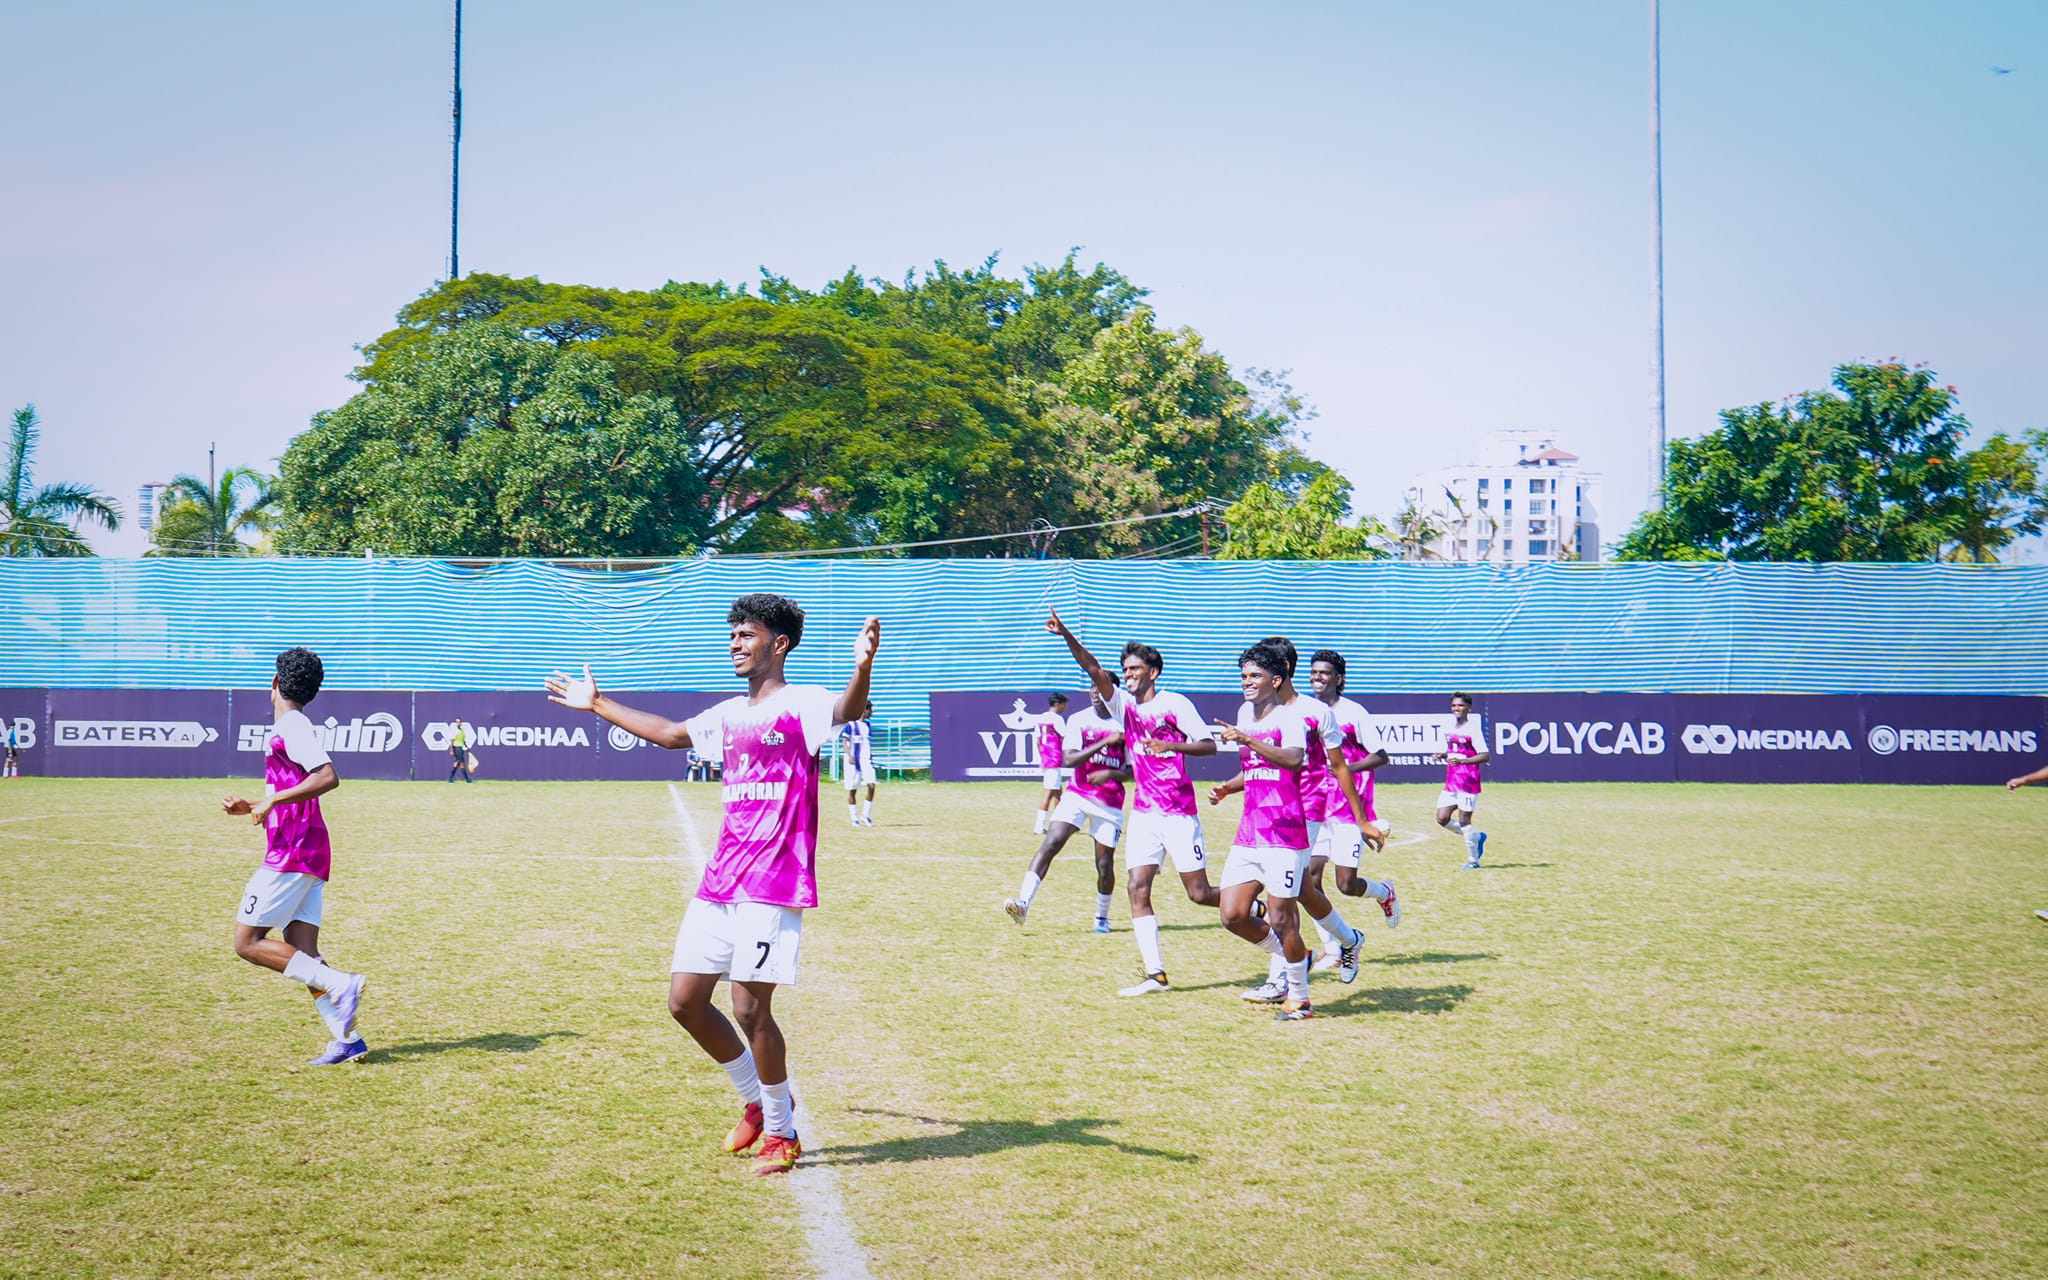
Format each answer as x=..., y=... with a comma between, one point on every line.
x=273, y=899
x=1340, y=842
x=743, y=941
x=1279, y=870
x=1056, y=779
x=1466, y=800
x=1102, y=824
x=857, y=774
x=1154, y=835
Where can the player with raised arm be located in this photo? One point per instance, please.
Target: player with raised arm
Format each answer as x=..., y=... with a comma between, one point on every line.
x=746, y=920
x=1464, y=751
x=1161, y=728
x=1052, y=736
x=1270, y=851
x=286, y=892
x=1093, y=750
x=858, y=741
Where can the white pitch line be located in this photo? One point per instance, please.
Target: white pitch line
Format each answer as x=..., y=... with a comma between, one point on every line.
x=828, y=1230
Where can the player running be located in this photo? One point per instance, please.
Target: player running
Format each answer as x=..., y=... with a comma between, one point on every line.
x=746, y=920
x=1346, y=830
x=1160, y=728
x=1270, y=852
x=285, y=892
x=1052, y=736
x=1093, y=751
x=857, y=741
x=1464, y=751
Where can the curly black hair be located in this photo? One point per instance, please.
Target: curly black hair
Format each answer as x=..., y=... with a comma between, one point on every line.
x=1266, y=656
x=1146, y=654
x=1285, y=648
x=779, y=614
x=1330, y=656
x=299, y=674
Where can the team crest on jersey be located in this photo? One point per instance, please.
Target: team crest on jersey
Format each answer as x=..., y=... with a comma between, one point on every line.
x=774, y=738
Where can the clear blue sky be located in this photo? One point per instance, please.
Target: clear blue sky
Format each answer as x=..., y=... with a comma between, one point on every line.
x=1433, y=214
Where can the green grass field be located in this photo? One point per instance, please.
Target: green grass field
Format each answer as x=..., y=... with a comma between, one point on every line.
x=1667, y=1031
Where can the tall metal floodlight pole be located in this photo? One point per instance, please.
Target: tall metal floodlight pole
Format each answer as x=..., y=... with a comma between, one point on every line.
x=455, y=174
x=1656, y=264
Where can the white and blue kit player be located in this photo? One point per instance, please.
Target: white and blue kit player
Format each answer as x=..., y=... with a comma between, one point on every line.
x=857, y=747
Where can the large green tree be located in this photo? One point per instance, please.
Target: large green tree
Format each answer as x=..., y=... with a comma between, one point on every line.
x=1876, y=470
x=1268, y=525
x=43, y=521
x=517, y=417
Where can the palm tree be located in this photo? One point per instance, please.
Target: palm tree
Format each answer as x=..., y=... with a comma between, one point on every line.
x=41, y=522
x=204, y=520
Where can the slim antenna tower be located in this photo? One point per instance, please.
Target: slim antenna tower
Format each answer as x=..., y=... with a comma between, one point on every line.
x=455, y=175
x=1656, y=263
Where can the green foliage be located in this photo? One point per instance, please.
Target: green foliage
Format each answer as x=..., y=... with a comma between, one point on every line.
x=44, y=521
x=1877, y=472
x=1266, y=525
x=515, y=417
x=202, y=520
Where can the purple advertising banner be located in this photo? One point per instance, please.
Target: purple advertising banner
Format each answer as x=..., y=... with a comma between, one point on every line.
x=987, y=737
x=368, y=734
x=621, y=755
x=139, y=733
x=1614, y=737
x=513, y=734
x=25, y=712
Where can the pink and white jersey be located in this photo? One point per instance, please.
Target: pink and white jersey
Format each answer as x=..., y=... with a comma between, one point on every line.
x=1355, y=724
x=1052, y=733
x=1319, y=790
x=1273, y=816
x=294, y=833
x=768, y=845
x=1084, y=731
x=1467, y=739
x=1162, y=781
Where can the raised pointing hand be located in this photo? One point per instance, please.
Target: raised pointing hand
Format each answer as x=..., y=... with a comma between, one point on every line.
x=577, y=695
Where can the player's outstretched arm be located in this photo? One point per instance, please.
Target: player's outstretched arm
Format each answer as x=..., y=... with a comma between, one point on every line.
x=1285, y=757
x=865, y=646
x=1086, y=660
x=583, y=695
x=1347, y=782
x=2038, y=775
x=1222, y=789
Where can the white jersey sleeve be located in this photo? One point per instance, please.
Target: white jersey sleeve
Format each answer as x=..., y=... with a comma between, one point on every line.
x=1294, y=731
x=1327, y=727
x=300, y=742
x=816, y=706
x=707, y=730
x=1190, y=720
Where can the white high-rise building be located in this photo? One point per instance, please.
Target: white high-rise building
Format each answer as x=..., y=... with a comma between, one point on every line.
x=1525, y=501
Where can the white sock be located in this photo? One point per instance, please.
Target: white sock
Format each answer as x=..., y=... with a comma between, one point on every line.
x=852, y=812
x=1038, y=823
x=1276, y=967
x=314, y=973
x=1030, y=889
x=741, y=1072
x=1147, y=929
x=1472, y=840
x=330, y=1013
x=777, y=1115
x=1335, y=928
x=1297, y=979
x=1377, y=890
x=1270, y=944
x=1102, y=905
x=867, y=807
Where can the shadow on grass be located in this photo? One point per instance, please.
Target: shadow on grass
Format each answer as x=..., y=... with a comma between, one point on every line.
x=501, y=1042
x=979, y=1137
x=1431, y=957
x=1395, y=1000
x=1506, y=866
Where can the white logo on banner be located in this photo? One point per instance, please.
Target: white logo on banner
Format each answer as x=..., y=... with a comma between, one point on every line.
x=1019, y=743
x=1721, y=740
x=379, y=732
x=1571, y=738
x=24, y=732
x=1885, y=740
x=133, y=733
x=620, y=740
x=435, y=735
